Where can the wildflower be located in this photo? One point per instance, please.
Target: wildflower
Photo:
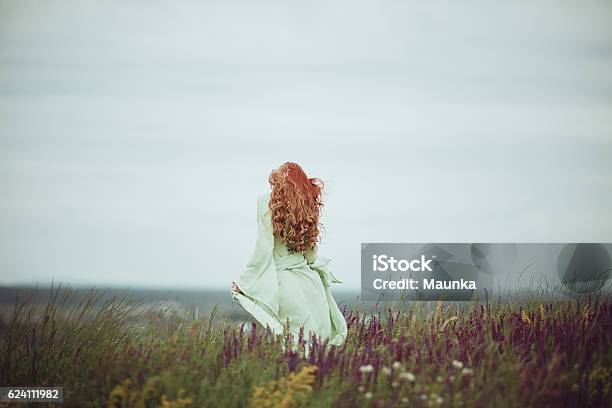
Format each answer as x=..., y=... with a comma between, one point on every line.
x=467, y=371
x=122, y=393
x=285, y=391
x=588, y=315
x=366, y=368
x=361, y=388
x=451, y=378
x=395, y=384
x=423, y=397
x=405, y=400
x=438, y=400
x=367, y=395
x=407, y=376
x=457, y=364
x=525, y=318
x=397, y=365
x=182, y=401
x=386, y=371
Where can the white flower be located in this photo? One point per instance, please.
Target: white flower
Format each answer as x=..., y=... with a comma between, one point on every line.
x=397, y=365
x=367, y=395
x=424, y=397
x=366, y=368
x=395, y=384
x=435, y=398
x=407, y=376
x=405, y=400
x=386, y=371
x=467, y=371
x=457, y=364
x=361, y=388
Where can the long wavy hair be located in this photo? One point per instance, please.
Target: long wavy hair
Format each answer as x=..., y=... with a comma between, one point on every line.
x=295, y=202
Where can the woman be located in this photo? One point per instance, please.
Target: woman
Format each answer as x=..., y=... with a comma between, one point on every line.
x=285, y=280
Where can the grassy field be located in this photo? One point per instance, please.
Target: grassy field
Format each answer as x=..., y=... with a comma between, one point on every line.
x=116, y=353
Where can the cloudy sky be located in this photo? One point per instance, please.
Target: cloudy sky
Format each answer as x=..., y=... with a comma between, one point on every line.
x=136, y=136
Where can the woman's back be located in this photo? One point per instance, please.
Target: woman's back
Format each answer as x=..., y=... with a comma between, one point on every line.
x=283, y=285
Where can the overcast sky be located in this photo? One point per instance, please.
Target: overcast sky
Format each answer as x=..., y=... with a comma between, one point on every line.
x=136, y=136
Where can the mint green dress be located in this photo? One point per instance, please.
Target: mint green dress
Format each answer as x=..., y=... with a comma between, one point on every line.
x=279, y=286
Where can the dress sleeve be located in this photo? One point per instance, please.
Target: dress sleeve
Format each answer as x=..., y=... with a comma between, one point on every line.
x=259, y=281
x=338, y=322
x=319, y=264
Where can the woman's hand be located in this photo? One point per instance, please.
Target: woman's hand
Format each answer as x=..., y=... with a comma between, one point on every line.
x=236, y=289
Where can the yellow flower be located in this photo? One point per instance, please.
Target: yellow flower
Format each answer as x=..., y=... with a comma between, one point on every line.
x=124, y=394
x=587, y=315
x=525, y=318
x=286, y=391
x=180, y=402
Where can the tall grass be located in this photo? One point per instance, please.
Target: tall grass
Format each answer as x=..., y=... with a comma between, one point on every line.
x=120, y=353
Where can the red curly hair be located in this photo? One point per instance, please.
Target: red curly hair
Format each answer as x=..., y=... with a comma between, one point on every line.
x=295, y=203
